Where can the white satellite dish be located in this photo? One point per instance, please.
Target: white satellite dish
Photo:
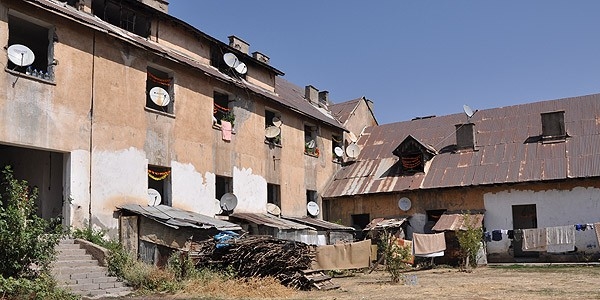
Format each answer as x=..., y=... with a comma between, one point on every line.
x=154, y=197
x=404, y=204
x=352, y=151
x=313, y=208
x=272, y=131
x=159, y=96
x=20, y=55
x=241, y=68
x=339, y=152
x=311, y=144
x=231, y=60
x=276, y=121
x=273, y=209
x=468, y=111
x=228, y=202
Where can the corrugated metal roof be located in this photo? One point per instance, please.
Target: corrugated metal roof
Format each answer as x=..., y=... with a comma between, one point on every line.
x=454, y=222
x=381, y=223
x=342, y=111
x=507, y=149
x=174, y=217
x=270, y=221
x=285, y=94
x=319, y=224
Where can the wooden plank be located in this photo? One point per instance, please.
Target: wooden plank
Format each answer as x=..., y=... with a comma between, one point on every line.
x=128, y=233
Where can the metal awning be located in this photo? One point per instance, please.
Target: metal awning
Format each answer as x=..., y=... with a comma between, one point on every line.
x=270, y=221
x=381, y=223
x=319, y=224
x=175, y=217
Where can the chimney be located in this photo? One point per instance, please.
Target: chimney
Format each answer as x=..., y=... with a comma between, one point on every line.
x=465, y=136
x=162, y=5
x=260, y=57
x=311, y=94
x=239, y=44
x=324, y=98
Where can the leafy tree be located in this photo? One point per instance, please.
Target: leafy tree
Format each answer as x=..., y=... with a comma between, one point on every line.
x=469, y=241
x=396, y=256
x=26, y=241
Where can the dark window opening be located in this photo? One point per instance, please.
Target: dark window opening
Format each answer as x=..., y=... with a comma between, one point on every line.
x=360, y=222
x=310, y=140
x=37, y=39
x=274, y=194
x=271, y=118
x=222, y=110
x=337, y=148
x=217, y=61
x=159, y=90
x=223, y=185
x=311, y=196
x=553, y=125
x=433, y=216
x=412, y=162
x=159, y=179
x=119, y=14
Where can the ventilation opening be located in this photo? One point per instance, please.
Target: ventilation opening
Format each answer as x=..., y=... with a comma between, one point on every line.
x=465, y=136
x=553, y=125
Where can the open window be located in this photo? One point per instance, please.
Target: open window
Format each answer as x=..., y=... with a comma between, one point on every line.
x=217, y=61
x=310, y=140
x=337, y=148
x=38, y=37
x=274, y=194
x=119, y=13
x=413, y=155
x=159, y=180
x=223, y=185
x=222, y=109
x=273, y=121
x=159, y=90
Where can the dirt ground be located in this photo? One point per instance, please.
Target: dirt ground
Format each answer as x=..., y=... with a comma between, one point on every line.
x=507, y=282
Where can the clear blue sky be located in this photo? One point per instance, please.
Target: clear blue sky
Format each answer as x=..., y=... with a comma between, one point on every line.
x=418, y=58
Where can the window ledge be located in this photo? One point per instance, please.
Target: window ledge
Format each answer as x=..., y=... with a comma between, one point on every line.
x=217, y=126
x=312, y=155
x=19, y=74
x=162, y=113
x=273, y=144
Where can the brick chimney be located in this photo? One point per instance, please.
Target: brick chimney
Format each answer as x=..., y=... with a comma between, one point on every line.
x=239, y=44
x=311, y=94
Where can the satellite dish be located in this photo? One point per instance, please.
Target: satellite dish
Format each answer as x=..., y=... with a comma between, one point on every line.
x=154, y=197
x=313, y=208
x=352, y=151
x=20, y=55
x=241, y=68
x=273, y=209
x=339, y=152
x=468, y=111
x=276, y=121
x=272, y=131
x=311, y=144
x=159, y=96
x=404, y=204
x=228, y=202
x=231, y=60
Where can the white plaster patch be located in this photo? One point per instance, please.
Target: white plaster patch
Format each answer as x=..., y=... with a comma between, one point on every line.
x=251, y=191
x=77, y=169
x=191, y=191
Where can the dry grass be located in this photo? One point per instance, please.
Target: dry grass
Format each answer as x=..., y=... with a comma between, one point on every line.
x=237, y=288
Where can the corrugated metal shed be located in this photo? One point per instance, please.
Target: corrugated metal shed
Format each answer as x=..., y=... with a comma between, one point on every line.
x=285, y=94
x=175, y=218
x=508, y=149
x=270, y=221
x=319, y=224
x=455, y=222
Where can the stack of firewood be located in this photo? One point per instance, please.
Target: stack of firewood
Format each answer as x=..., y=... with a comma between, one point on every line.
x=258, y=256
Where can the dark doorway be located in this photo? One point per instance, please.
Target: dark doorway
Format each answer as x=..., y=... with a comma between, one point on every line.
x=524, y=217
x=359, y=222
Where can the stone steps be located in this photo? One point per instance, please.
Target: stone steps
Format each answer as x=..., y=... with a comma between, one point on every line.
x=82, y=275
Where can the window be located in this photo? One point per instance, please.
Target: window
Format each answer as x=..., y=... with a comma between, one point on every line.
x=432, y=217
x=311, y=196
x=159, y=90
x=117, y=13
x=337, y=148
x=273, y=119
x=159, y=179
x=553, y=125
x=217, y=61
x=38, y=39
x=412, y=156
x=273, y=194
x=222, y=109
x=310, y=140
x=223, y=185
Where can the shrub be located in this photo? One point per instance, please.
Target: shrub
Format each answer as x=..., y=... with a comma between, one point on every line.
x=469, y=241
x=40, y=288
x=25, y=238
x=396, y=256
x=95, y=236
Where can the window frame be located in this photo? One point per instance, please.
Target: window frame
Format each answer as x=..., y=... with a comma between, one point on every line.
x=165, y=79
x=223, y=185
x=269, y=115
x=220, y=112
x=553, y=125
x=311, y=132
x=165, y=189
x=274, y=194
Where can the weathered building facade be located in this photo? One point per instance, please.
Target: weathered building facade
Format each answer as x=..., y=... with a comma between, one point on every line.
x=122, y=97
x=525, y=166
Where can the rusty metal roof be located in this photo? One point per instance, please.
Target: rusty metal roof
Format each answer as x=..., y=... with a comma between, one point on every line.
x=319, y=224
x=381, y=223
x=286, y=94
x=507, y=150
x=175, y=218
x=270, y=221
x=342, y=111
x=454, y=222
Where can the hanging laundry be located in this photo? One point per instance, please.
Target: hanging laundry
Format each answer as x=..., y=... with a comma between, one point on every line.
x=580, y=227
x=518, y=234
x=424, y=244
x=496, y=235
x=226, y=130
x=589, y=226
x=560, y=238
x=487, y=236
x=510, y=234
x=534, y=239
x=597, y=229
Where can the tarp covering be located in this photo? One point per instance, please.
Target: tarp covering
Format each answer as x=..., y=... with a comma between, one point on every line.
x=343, y=256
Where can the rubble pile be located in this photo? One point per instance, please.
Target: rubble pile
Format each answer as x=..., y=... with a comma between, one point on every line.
x=257, y=256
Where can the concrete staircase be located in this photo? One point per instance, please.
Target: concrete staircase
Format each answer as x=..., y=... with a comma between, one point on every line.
x=79, y=272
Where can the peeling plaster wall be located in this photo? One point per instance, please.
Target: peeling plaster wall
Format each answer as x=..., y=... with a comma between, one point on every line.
x=251, y=190
x=77, y=189
x=554, y=208
x=192, y=191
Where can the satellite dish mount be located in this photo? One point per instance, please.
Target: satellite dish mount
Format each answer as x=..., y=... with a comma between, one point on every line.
x=468, y=111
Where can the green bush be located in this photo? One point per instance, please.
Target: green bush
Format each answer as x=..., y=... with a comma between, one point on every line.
x=90, y=235
x=181, y=265
x=25, y=238
x=396, y=256
x=469, y=241
x=41, y=288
